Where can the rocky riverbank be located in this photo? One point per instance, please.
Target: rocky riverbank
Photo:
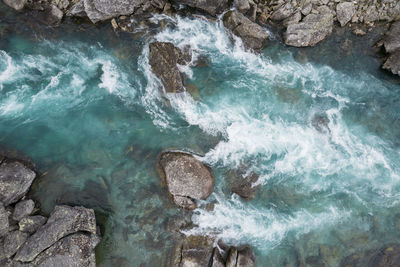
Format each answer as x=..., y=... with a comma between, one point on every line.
x=67, y=238
x=302, y=23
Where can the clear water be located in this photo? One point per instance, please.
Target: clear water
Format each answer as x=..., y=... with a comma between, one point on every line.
x=86, y=108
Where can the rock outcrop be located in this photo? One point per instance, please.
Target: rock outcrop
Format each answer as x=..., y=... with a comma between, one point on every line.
x=242, y=183
x=252, y=34
x=15, y=181
x=68, y=238
x=212, y=7
x=164, y=59
x=344, y=12
x=311, y=30
x=200, y=251
x=391, y=43
x=16, y=4
x=186, y=177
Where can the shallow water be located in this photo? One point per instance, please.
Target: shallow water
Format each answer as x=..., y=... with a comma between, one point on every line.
x=322, y=136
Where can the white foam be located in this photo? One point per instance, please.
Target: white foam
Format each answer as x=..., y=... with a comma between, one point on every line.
x=9, y=69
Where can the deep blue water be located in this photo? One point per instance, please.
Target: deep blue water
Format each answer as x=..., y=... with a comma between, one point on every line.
x=320, y=126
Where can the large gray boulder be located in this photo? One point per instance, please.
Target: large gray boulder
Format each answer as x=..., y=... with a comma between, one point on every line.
x=164, y=59
x=22, y=209
x=187, y=178
x=252, y=34
x=344, y=12
x=240, y=257
x=213, y=7
x=15, y=181
x=16, y=4
x=13, y=241
x=74, y=250
x=283, y=12
x=242, y=182
x=64, y=220
x=99, y=10
x=311, y=30
x=3, y=220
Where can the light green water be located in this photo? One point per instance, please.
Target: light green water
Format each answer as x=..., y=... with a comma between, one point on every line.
x=88, y=112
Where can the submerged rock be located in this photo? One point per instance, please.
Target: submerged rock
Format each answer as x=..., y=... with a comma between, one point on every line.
x=15, y=181
x=64, y=220
x=388, y=256
x=252, y=34
x=187, y=178
x=212, y=7
x=163, y=60
x=16, y=4
x=311, y=30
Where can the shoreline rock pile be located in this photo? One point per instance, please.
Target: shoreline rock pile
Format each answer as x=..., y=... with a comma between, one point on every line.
x=67, y=238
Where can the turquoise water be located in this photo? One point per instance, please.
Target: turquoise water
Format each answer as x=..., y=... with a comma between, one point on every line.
x=322, y=134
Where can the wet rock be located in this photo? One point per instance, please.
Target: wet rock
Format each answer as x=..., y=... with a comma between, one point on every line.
x=13, y=241
x=311, y=30
x=187, y=178
x=193, y=251
x=391, y=41
x=213, y=7
x=388, y=256
x=163, y=60
x=242, y=183
x=240, y=257
x=3, y=220
x=31, y=224
x=344, y=12
x=15, y=181
x=252, y=34
x=217, y=259
x=73, y=250
x=64, y=220
x=54, y=15
x=22, y=209
x=16, y=4
x=99, y=10
x=393, y=63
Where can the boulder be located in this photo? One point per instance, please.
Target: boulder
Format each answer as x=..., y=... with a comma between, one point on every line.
x=391, y=40
x=242, y=183
x=31, y=224
x=54, y=15
x=392, y=64
x=13, y=241
x=15, y=181
x=344, y=12
x=253, y=35
x=240, y=257
x=99, y=10
x=16, y=4
x=193, y=251
x=163, y=60
x=212, y=7
x=73, y=250
x=311, y=30
x=64, y=220
x=243, y=6
x=283, y=12
x=3, y=220
x=217, y=259
x=22, y=209
x=186, y=177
